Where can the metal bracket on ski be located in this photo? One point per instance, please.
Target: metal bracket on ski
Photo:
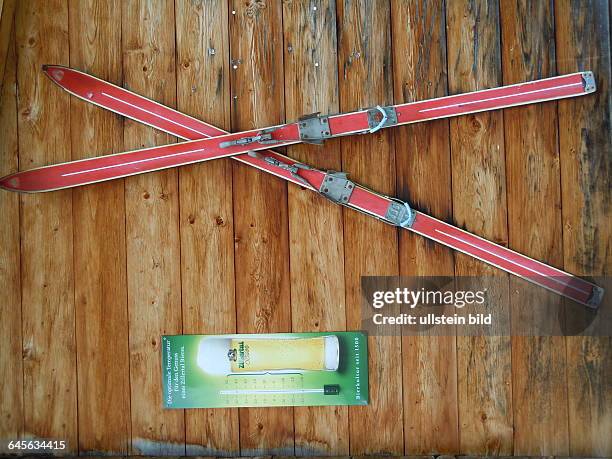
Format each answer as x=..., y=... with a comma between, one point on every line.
x=595, y=298
x=381, y=117
x=589, y=82
x=399, y=213
x=314, y=128
x=264, y=137
x=291, y=168
x=336, y=187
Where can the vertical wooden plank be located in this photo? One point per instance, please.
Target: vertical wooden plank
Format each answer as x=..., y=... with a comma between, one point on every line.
x=260, y=207
x=479, y=205
x=47, y=278
x=583, y=43
x=7, y=13
x=99, y=242
x=207, y=238
x=538, y=374
x=315, y=225
x=423, y=175
x=152, y=228
x=364, y=66
x=11, y=393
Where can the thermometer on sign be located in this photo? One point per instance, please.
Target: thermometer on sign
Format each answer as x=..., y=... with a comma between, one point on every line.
x=328, y=389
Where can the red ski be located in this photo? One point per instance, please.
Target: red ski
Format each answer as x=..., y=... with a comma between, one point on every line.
x=335, y=186
x=313, y=128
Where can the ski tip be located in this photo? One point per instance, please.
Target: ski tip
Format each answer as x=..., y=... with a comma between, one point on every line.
x=588, y=80
x=73, y=81
x=10, y=182
x=596, y=296
x=55, y=72
x=19, y=182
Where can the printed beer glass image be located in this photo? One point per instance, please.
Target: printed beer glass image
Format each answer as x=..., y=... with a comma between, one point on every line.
x=223, y=356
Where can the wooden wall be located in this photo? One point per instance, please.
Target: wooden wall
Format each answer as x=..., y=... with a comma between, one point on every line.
x=92, y=277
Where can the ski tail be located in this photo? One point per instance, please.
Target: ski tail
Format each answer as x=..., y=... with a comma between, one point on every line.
x=534, y=271
x=554, y=88
x=399, y=213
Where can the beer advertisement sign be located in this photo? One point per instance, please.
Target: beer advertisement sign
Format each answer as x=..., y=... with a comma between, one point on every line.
x=279, y=369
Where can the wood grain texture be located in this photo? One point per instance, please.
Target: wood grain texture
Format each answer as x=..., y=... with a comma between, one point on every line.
x=364, y=69
x=7, y=14
x=583, y=43
x=11, y=366
x=207, y=237
x=423, y=179
x=297, y=260
x=316, y=249
x=539, y=386
x=479, y=205
x=47, y=278
x=260, y=207
x=99, y=242
x=152, y=230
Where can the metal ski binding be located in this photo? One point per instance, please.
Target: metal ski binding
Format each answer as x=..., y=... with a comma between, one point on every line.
x=264, y=137
x=314, y=128
x=399, y=213
x=381, y=117
x=293, y=169
x=589, y=82
x=336, y=187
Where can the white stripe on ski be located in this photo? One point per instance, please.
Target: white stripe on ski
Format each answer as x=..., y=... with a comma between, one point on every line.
x=112, y=166
x=121, y=89
x=486, y=241
x=511, y=261
x=154, y=114
x=495, y=265
x=500, y=97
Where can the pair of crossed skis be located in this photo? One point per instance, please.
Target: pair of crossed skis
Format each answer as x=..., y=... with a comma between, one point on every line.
x=206, y=142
